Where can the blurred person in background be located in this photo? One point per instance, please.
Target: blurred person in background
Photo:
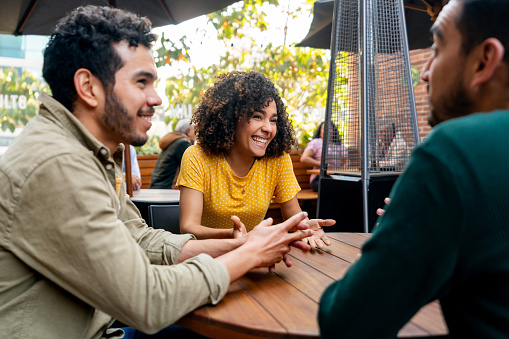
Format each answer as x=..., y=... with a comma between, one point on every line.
x=312, y=155
x=135, y=168
x=173, y=146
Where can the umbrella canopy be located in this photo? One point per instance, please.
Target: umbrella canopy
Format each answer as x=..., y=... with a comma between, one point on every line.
x=40, y=16
x=419, y=15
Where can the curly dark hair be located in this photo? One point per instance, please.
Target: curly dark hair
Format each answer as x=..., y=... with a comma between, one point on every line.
x=84, y=39
x=234, y=96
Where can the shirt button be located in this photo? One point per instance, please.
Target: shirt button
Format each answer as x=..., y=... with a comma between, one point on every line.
x=104, y=151
x=109, y=167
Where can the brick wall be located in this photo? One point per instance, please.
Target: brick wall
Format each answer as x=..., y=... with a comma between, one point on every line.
x=418, y=58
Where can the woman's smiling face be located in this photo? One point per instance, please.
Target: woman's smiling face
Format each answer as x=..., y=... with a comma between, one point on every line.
x=252, y=137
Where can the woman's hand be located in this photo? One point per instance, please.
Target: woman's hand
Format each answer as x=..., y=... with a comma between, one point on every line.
x=318, y=239
x=239, y=230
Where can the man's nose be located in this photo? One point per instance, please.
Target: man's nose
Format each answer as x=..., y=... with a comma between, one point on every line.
x=153, y=99
x=425, y=70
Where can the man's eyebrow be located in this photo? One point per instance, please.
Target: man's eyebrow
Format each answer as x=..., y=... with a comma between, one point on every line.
x=145, y=74
x=434, y=30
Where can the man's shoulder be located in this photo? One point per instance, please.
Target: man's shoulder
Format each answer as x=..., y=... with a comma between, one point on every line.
x=38, y=145
x=181, y=142
x=477, y=123
x=469, y=136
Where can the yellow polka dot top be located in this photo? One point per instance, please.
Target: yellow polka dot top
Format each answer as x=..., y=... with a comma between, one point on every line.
x=226, y=194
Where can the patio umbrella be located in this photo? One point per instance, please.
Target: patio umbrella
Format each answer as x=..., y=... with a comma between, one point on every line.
x=419, y=15
x=40, y=16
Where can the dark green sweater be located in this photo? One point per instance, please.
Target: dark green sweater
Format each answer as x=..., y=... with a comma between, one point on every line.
x=444, y=236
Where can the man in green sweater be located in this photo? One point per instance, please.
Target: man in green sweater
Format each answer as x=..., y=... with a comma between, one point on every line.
x=445, y=234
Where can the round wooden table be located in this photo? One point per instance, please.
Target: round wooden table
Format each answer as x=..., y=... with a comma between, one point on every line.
x=285, y=304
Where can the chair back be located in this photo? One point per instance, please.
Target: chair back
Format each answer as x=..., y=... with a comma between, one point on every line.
x=165, y=217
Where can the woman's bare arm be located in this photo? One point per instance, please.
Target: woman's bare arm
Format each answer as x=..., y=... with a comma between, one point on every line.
x=191, y=209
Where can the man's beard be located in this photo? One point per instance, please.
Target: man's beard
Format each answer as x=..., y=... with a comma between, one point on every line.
x=117, y=118
x=453, y=105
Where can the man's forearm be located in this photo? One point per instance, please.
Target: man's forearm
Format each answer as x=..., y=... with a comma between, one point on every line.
x=203, y=232
x=212, y=247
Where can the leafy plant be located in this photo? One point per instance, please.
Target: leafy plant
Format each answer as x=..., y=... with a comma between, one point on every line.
x=19, y=98
x=150, y=147
x=300, y=74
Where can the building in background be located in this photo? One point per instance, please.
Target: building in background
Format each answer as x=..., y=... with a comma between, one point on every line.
x=21, y=53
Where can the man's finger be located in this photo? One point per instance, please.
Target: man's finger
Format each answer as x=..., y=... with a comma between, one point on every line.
x=300, y=244
x=266, y=222
x=300, y=226
x=293, y=221
x=380, y=212
x=387, y=201
x=287, y=260
x=298, y=235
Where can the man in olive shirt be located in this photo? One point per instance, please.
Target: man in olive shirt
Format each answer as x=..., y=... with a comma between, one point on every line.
x=74, y=251
x=445, y=233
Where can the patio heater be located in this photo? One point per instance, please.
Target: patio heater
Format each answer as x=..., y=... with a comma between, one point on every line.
x=370, y=110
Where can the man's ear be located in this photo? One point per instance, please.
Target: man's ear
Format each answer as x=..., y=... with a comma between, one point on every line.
x=88, y=87
x=489, y=54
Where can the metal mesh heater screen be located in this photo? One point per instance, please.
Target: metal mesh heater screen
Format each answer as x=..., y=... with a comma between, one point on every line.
x=371, y=116
x=371, y=100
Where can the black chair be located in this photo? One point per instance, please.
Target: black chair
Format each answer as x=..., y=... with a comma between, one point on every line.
x=165, y=217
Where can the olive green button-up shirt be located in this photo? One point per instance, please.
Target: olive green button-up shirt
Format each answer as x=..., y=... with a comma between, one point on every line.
x=74, y=251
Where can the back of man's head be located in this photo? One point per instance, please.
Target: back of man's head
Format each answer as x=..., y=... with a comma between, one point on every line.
x=84, y=39
x=182, y=126
x=483, y=19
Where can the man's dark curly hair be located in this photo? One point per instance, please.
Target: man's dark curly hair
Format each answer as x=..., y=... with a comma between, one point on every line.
x=84, y=39
x=234, y=96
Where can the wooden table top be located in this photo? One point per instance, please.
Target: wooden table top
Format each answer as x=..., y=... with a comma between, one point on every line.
x=285, y=304
x=160, y=196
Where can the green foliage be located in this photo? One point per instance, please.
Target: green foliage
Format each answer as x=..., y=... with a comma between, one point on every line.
x=170, y=52
x=300, y=74
x=15, y=111
x=151, y=147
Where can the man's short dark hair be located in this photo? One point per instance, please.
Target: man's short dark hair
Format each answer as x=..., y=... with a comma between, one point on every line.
x=84, y=39
x=483, y=19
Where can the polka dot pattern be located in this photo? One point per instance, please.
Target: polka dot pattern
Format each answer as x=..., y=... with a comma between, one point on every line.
x=226, y=194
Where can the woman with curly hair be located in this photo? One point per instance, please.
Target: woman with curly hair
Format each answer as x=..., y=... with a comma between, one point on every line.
x=240, y=161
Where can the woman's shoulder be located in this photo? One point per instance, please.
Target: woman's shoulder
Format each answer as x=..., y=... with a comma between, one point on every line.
x=315, y=142
x=197, y=152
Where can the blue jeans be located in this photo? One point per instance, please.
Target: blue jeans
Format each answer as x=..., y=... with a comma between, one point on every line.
x=168, y=332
